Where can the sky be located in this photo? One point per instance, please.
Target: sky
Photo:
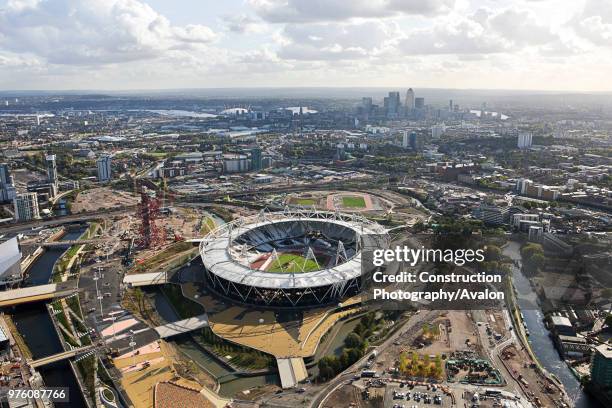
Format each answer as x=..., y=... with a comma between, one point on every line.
x=561, y=45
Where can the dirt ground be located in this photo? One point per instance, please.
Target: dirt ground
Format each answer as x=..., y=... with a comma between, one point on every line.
x=350, y=396
x=519, y=364
x=102, y=197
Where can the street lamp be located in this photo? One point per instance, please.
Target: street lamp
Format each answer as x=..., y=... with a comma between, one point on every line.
x=132, y=344
x=96, y=278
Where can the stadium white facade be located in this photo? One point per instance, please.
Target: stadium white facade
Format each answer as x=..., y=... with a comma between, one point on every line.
x=231, y=252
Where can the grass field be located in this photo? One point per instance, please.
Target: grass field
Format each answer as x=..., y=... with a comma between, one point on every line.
x=353, y=202
x=292, y=263
x=304, y=201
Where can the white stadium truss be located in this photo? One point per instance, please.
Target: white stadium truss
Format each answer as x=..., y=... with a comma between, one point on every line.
x=227, y=264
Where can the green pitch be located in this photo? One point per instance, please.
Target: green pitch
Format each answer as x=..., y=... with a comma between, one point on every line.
x=292, y=263
x=304, y=201
x=353, y=202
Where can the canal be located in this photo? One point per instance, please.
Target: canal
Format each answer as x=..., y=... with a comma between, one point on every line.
x=231, y=384
x=539, y=338
x=35, y=326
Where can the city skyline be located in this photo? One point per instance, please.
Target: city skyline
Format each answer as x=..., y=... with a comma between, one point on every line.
x=152, y=45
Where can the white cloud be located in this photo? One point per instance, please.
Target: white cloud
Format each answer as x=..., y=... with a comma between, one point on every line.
x=594, y=22
x=302, y=11
x=243, y=24
x=329, y=41
x=93, y=31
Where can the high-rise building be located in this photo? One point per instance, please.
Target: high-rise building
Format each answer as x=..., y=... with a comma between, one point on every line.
x=51, y=169
x=26, y=207
x=450, y=105
x=5, y=174
x=601, y=373
x=524, y=140
x=419, y=103
x=256, y=163
x=392, y=104
x=416, y=141
x=409, y=99
x=405, y=139
x=104, y=169
x=366, y=104
x=7, y=186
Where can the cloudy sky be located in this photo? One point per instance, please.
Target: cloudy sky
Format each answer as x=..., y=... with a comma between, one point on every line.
x=155, y=44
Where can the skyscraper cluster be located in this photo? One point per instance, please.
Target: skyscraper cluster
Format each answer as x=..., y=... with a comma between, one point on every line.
x=392, y=108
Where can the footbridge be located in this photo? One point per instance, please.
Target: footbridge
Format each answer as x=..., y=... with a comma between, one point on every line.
x=146, y=279
x=182, y=326
x=60, y=356
x=14, y=297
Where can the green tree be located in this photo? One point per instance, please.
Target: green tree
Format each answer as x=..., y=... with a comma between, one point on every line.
x=352, y=340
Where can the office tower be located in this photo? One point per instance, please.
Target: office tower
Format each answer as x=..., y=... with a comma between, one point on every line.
x=419, y=103
x=524, y=140
x=601, y=373
x=405, y=141
x=5, y=175
x=366, y=104
x=51, y=169
x=450, y=105
x=392, y=104
x=256, y=163
x=416, y=142
x=26, y=207
x=409, y=99
x=104, y=169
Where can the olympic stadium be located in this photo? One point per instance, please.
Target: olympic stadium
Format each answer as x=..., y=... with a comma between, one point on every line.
x=291, y=258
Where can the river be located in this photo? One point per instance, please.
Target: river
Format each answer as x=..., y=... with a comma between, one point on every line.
x=231, y=384
x=34, y=324
x=541, y=343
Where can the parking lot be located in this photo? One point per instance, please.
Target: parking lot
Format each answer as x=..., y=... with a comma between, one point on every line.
x=397, y=396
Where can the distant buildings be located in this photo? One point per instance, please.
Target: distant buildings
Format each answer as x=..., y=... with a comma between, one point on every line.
x=26, y=207
x=437, y=131
x=419, y=103
x=104, y=169
x=236, y=163
x=528, y=188
x=524, y=140
x=492, y=214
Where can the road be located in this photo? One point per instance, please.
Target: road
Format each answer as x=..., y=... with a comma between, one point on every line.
x=22, y=226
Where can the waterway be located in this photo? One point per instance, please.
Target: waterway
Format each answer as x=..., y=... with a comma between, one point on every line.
x=34, y=324
x=540, y=340
x=231, y=384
